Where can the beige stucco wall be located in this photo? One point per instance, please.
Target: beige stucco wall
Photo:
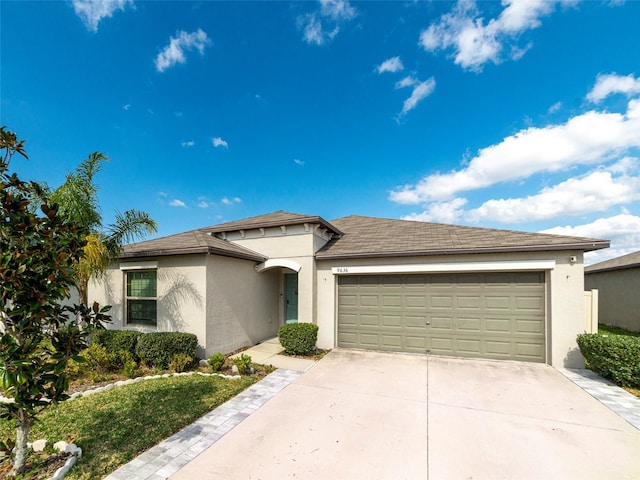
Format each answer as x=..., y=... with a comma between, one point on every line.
x=297, y=244
x=565, y=286
x=242, y=305
x=181, y=295
x=619, y=302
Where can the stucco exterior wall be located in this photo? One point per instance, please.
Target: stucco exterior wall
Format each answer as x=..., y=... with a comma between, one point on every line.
x=619, y=302
x=181, y=295
x=297, y=244
x=565, y=287
x=242, y=305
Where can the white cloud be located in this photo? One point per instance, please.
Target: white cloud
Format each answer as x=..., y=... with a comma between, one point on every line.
x=126, y=107
x=178, y=114
x=337, y=10
x=189, y=143
x=91, y=12
x=406, y=82
x=594, y=192
x=612, y=83
x=178, y=46
x=444, y=212
x=464, y=31
x=555, y=107
x=421, y=91
x=584, y=139
x=231, y=201
x=393, y=64
x=178, y=203
x=203, y=202
x=219, y=142
x=323, y=24
x=298, y=161
x=622, y=230
x=163, y=194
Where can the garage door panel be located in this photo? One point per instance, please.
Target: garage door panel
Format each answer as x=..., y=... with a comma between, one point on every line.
x=465, y=302
x=392, y=300
x=441, y=302
x=500, y=303
x=526, y=326
x=392, y=321
x=487, y=315
x=469, y=325
x=534, y=303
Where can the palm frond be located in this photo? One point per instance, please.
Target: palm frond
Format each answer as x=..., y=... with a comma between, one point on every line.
x=129, y=227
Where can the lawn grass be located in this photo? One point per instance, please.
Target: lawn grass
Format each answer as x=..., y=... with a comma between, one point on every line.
x=608, y=329
x=115, y=426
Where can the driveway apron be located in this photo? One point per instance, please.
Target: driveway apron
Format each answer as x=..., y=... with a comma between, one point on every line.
x=391, y=416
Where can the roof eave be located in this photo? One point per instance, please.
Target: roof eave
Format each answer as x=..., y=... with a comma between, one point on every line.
x=190, y=251
x=586, y=247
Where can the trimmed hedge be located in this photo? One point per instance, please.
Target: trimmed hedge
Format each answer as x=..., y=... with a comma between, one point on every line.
x=158, y=348
x=298, y=338
x=116, y=340
x=616, y=357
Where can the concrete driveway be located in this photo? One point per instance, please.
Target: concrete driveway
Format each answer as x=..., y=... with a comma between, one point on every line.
x=364, y=415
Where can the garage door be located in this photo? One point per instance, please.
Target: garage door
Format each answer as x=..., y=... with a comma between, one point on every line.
x=483, y=315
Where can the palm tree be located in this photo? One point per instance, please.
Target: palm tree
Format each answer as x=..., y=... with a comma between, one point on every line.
x=77, y=199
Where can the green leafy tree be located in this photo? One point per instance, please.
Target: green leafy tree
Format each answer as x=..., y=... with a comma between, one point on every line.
x=38, y=257
x=77, y=198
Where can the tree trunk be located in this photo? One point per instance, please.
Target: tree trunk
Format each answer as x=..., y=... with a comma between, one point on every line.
x=20, y=450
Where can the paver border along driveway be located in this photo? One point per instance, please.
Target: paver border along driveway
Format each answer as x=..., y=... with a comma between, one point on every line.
x=368, y=415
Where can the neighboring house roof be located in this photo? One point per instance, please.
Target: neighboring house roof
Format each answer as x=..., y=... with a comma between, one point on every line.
x=380, y=237
x=194, y=241
x=274, y=219
x=630, y=260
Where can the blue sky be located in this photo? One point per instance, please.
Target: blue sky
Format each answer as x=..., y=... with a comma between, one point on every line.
x=522, y=115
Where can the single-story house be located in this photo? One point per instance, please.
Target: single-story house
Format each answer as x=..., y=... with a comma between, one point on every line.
x=368, y=283
x=618, y=283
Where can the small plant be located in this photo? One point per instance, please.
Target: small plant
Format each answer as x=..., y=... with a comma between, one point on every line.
x=243, y=362
x=181, y=363
x=216, y=361
x=298, y=338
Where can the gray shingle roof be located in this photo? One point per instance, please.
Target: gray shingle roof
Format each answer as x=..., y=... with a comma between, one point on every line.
x=274, y=219
x=358, y=236
x=379, y=237
x=194, y=241
x=630, y=260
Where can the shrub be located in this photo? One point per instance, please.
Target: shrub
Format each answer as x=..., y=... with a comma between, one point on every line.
x=181, y=363
x=128, y=365
x=116, y=340
x=157, y=349
x=298, y=338
x=98, y=360
x=243, y=362
x=616, y=357
x=216, y=361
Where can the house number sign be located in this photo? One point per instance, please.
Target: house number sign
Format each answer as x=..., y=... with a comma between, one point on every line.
x=342, y=270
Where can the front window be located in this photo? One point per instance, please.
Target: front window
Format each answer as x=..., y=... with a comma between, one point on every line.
x=141, y=297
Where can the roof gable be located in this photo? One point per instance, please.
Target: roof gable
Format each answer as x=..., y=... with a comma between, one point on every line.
x=379, y=237
x=274, y=219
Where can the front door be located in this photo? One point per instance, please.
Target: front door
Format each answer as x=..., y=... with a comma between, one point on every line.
x=290, y=297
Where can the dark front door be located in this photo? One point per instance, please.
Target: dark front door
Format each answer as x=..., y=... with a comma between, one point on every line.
x=290, y=297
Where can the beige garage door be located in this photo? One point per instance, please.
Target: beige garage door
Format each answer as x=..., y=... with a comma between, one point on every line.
x=483, y=315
